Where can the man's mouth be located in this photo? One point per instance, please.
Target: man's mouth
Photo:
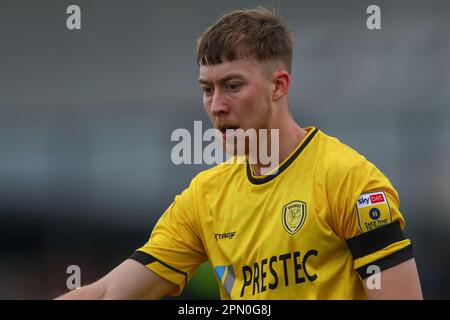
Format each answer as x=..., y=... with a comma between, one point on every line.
x=228, y=131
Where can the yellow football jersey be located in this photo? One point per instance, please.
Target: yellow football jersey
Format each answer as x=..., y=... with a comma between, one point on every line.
x=310, y=231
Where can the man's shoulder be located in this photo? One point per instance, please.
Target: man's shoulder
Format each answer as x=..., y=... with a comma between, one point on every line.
x=337, y=155
x=221, y=172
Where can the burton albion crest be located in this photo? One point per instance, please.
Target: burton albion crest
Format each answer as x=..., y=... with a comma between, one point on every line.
x=293, y=216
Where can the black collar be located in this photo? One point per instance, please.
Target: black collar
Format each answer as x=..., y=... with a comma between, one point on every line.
x=284, y=166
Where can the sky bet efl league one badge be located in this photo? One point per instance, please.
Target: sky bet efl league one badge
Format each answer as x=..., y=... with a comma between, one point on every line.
x=373, y=211
x=293, y=216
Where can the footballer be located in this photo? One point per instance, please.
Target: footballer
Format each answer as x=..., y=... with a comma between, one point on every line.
x=316, y=227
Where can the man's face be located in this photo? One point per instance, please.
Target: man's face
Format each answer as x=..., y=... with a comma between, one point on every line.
x=236, y=95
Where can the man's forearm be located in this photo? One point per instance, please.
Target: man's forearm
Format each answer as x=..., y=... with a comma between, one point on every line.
x=93, y=291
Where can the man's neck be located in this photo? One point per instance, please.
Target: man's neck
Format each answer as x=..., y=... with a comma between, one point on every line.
x=290, y=136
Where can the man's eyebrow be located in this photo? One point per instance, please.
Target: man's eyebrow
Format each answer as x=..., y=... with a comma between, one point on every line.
x=223, y=79
x=202, y=81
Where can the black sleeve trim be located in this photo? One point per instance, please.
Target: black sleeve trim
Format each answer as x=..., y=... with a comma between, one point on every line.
x=143, y=257
x=387, y=262
x=146, y=259
x=375, y=240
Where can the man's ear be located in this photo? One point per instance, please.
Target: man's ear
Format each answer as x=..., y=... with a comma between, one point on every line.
x=282, y=81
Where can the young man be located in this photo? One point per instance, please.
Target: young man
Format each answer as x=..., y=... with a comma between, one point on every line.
x=315, y=228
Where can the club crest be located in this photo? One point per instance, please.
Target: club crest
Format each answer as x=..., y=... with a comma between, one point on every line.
x=293, y=216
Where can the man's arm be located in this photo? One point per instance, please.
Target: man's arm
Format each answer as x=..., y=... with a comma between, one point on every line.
x=130, y=280
x=398, y=282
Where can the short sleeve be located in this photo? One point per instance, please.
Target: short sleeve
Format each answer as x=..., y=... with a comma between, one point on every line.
x=365, y=209
x=175, y=250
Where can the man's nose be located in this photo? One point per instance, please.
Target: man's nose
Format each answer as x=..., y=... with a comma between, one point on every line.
x=218, y=104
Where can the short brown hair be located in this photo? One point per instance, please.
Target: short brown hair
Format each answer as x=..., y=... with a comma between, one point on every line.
x=257, y=33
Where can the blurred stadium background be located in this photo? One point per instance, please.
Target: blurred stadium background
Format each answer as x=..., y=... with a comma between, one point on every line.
x=86, y=118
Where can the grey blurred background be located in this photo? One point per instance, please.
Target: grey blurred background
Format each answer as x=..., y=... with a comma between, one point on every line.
x=86, y=118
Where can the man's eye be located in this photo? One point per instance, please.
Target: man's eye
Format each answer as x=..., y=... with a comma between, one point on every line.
x=207, y=91
x=234, y=86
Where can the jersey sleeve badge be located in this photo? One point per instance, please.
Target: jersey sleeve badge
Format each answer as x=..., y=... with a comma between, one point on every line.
x=373, y=211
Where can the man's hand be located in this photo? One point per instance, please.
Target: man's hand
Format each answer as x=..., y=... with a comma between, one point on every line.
x=130, y=280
